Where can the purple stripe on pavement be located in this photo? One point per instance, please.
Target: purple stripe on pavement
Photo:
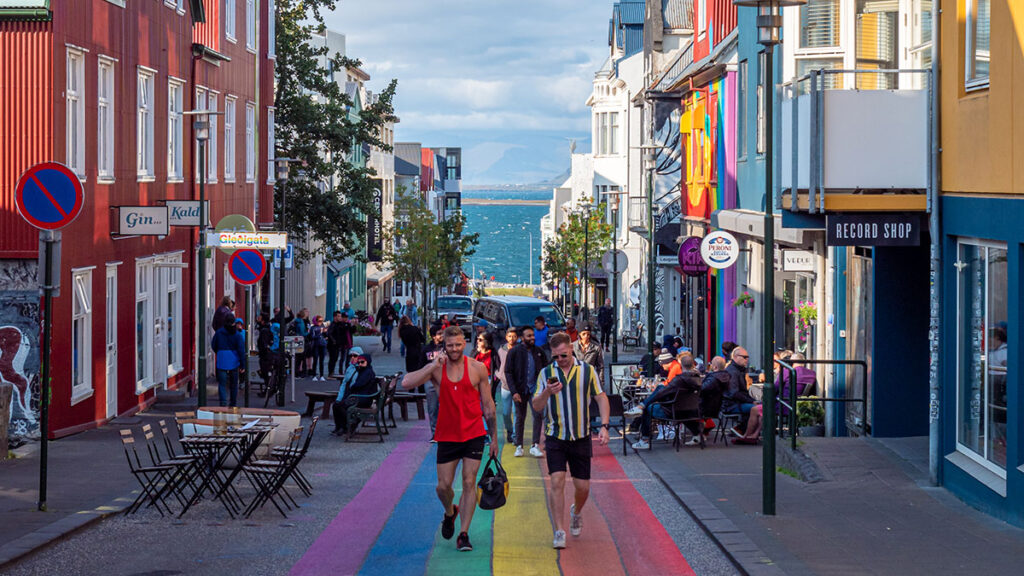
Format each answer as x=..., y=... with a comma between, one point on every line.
x=340, y=549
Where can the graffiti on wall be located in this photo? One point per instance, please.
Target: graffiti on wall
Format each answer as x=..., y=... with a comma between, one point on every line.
x=667, y=182
x=19, y=360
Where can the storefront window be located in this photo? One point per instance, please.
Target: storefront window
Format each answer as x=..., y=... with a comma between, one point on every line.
x=981, y=357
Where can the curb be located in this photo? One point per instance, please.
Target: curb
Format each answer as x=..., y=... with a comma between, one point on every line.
x=60, y=529
x=748, y=558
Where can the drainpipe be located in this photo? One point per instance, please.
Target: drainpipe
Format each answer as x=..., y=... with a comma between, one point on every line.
x=934, y=303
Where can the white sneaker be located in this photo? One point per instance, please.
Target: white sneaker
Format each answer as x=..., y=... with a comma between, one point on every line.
x=519, y=451
x=634, y=411
x=641, y=444
x=575, y=521
x=535, y=452
x=559, y=542
x=695, y=441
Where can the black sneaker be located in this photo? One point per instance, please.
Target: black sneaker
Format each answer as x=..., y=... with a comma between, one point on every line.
x=462, y=544
x=448, y=524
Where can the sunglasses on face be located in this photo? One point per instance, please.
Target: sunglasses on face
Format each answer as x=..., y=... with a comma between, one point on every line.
x=361, y=363
x=560, y=356
x=742, y=356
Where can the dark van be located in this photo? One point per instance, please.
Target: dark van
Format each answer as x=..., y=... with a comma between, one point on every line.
x=500, y=312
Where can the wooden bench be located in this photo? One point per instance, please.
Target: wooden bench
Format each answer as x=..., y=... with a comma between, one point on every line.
x=403, y=399
x=315, y=396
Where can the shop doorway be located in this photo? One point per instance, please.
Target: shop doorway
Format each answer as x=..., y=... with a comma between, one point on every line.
x=111, y=341
x=859, y=336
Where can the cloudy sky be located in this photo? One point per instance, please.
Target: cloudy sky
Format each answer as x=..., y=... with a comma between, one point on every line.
x=507, y=80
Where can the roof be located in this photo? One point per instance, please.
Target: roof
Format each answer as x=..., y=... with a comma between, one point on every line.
x=631, y=12
x=677, y=14
x=673, y=72
x=407, y=158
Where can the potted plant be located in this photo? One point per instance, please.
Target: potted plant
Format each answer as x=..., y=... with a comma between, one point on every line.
x=745, y=300
x=810, y=418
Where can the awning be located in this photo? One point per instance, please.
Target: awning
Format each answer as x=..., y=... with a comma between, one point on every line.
x=379, y=277
x=750, y=223
x=339, y=266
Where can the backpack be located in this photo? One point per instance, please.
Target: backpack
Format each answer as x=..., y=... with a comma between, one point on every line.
x=492, y=489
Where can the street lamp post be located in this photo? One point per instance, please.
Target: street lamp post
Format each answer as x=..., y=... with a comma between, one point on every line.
x=652, y=251
x=616, y=198
x=586, y=262
x=769, y=22
x=201, y=128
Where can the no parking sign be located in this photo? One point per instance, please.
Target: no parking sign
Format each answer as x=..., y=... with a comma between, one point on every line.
x=247, y=267
x=49, y=196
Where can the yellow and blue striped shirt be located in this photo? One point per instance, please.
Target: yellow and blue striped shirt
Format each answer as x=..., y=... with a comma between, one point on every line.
x=568, y=412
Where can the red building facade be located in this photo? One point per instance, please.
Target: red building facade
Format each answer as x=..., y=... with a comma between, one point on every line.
x=102, y=87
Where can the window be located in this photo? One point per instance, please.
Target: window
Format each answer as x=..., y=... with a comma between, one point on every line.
x=602, y=142
x=760, y=140
x=211, y=145
x=81, y=335
x=229, y=138
x=819, y=24
x=250, y=25
x=271, y=29
x=702, y=18
x=982, y=368
x=178, y=5
x=921, y=35
x=229, y=19
x=74, y=98
x=613, y=133
x=271, y=144
x=741, y=111
x=979, y=26
x=229, y=283
x=175, y=128
x=200, y=104
x=877, y=28
x=105, y=119
x=144, y=124
x=321, y=275
x=250, y=142
x=829, y=81
x=143, y=321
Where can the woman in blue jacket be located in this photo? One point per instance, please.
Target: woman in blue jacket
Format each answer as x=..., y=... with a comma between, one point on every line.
x=229, y=346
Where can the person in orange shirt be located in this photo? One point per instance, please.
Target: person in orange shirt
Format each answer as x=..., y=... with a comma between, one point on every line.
x=570, y=329
x=670, y=365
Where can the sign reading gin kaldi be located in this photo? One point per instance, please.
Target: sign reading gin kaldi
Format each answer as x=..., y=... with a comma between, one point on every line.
x=719, y=249
x=873, y=230
x=254, y=240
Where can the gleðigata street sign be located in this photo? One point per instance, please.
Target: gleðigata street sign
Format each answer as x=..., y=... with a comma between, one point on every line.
x=247, y=267
x=49, y=196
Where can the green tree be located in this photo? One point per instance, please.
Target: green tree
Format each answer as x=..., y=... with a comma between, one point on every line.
x=331, y=197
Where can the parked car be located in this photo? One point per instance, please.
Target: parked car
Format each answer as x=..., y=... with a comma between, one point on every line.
x=500, y=312
x=458, y=308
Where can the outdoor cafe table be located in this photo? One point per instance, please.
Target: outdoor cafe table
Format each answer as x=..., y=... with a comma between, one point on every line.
x=238, y=444
x=285, y=420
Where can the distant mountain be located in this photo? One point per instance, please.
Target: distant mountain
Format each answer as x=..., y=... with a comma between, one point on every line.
x=544, y=185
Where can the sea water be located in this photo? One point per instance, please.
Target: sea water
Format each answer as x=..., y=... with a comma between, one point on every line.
x=504, y=249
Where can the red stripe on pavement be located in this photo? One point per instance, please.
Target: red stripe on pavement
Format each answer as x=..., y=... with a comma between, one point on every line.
x=49, y=196
x=644, y=545
x=593, y=552
x=343, y=545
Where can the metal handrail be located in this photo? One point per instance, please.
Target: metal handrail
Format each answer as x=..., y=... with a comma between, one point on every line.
x=794, y=400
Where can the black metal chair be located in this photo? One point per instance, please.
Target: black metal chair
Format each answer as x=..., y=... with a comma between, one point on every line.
x=358, y=416
x=616, y=417
x=152, y=479
x=682, y=408
x=268, y=477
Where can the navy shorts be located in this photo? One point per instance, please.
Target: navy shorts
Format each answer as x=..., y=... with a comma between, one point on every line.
x=575, y=453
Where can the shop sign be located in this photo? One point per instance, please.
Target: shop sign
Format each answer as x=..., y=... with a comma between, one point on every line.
x=873, y=230
x=142, y=221
x=254, y=240
x=375, y=229
x=186, y=212
x=690, y=261
x=719, y=249
x=797, y=261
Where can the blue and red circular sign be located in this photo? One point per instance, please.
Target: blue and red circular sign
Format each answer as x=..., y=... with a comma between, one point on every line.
x=49, y=196
x=247, y=267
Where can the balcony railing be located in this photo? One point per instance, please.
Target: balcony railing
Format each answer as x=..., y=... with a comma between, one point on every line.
x=855, y=150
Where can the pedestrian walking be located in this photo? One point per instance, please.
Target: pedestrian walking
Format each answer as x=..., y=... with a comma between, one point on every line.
x=540, y=333
x=570, y=329
x=505, y=394
x=465, y=401
x=412, y=341
x=386, y=318
x=264, y=348
x=604, y=321
x=412, y=311
x=317, y=348
x=430, y=353
x=339, y=340
x=229, y=347
x=300, y=327
x=565, y=389
x=586, y=350
x=221, y=314
x=525, y=361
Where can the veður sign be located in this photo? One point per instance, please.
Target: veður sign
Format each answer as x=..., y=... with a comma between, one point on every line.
x=254, y=240
x=719, y=249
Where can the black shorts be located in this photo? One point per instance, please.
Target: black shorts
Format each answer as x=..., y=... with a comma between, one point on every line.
x=452, y=451
x=577, y=453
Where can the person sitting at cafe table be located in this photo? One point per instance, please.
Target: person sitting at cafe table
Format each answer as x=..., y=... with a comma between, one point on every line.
x=649, y=366
x=736, y=399
x=358, y=392
x=687, y=381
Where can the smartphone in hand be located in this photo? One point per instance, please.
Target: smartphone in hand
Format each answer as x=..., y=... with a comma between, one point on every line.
x=554, y=384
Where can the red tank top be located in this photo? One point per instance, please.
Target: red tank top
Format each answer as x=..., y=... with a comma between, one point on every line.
x=459, y=416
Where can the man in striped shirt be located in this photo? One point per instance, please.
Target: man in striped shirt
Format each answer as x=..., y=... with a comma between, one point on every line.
x=565, y=389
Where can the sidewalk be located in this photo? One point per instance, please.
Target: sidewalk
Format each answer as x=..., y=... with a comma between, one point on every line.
x=88, y=478
x=874, y=514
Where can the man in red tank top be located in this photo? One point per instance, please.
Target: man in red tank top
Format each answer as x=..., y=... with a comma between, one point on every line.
x=464, y=401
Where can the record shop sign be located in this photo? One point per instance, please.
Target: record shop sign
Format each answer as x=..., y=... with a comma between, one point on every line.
x=874, y=230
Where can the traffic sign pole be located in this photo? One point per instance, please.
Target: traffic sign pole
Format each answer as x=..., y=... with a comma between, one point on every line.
x=49, y=238
x=248, y=341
